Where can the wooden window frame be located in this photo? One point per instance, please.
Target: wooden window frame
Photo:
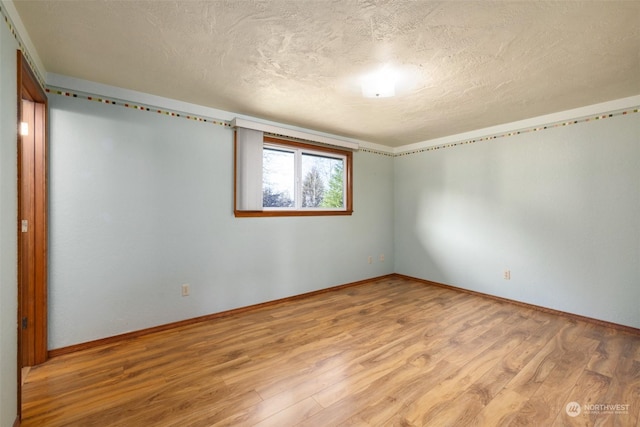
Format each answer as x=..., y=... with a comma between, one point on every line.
x=348, y=184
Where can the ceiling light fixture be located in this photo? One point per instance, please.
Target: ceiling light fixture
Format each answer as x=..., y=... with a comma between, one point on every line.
x=379, y=84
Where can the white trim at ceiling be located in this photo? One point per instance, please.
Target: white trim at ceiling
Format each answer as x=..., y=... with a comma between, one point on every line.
x=179, y=108
x=534, y=122
x=79, y=85
x=85, y=86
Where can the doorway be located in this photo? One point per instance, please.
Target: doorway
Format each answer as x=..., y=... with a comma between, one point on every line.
x=32, y=221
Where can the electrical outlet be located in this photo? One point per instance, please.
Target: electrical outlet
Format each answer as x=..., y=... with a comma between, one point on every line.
x=370, y=259
x=185, y=290
x=381, y=257
x=507, y=275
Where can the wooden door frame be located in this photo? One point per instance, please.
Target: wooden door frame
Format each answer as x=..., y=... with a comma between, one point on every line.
x=28, y=88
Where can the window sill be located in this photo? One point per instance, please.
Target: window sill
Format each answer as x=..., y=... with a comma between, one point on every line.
x=245, y=214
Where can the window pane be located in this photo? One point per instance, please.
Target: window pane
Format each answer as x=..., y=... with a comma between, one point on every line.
x=278, y=178
x=327, y=189
x=322, y=181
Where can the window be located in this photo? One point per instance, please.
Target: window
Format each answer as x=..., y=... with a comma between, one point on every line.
x=293, y=178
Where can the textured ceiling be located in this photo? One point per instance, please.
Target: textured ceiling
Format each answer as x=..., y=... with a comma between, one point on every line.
x=467, y=65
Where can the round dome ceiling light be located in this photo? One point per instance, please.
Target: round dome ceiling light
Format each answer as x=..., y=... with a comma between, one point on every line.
x=379, y=84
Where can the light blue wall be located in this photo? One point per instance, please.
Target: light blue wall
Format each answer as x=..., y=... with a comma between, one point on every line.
x=8, y=227
x=560, y=208
x=141, y=203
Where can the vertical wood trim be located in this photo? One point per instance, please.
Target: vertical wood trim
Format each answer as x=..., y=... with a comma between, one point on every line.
x=30, y=90
x=235, y=172
x=26, y=209
x=19, y=260
x=349, y=183
x=40, y=233
x=32, y=106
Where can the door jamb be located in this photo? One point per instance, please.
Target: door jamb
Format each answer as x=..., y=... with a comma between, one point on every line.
x=28, y=87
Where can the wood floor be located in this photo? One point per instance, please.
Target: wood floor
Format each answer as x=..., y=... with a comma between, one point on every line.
x=393, y=352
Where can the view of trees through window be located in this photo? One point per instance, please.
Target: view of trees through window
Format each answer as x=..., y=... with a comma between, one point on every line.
x=321, y=178
x=278, y=178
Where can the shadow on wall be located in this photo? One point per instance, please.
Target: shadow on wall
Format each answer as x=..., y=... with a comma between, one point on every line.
x=481, y=216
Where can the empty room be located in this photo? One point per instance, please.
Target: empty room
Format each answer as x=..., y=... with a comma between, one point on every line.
x=319, y=213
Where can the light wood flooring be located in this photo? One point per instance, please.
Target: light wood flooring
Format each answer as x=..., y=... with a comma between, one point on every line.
x=393, y=352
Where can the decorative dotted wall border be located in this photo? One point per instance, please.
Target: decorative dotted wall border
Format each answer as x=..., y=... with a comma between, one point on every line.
x=520, y=132
x=21, y=45
x=381, y=153
x=362, y=149
x=139, y=107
